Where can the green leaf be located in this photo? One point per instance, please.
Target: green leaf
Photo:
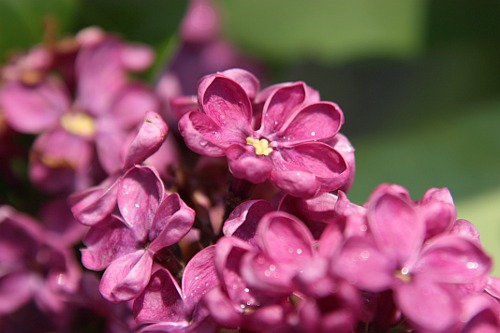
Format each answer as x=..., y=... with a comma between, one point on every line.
x=22, y=21
x=326, y=30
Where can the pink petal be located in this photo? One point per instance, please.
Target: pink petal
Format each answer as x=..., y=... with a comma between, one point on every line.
x=33, y=109
x=137, y=57
x=319, y=121
x=464, y=228
x=243, y=220
x=452, y=259
x=245, y=79
x=101, y=75
x=172, y=221
x=161, y=300
x=111, y=143
x=202, y=135
x=127, y=276
x=93, y=205
x=285, y=239
x=397, y=228
x=139, y=194
x=15, y=291
x=222, y=309
x=438, y=211
x=149, y=139
x=308, y=168
x=281, y=106
x=265, y=274
x=106, y=242
x=362, y=264
x=225, y=102
x=245, y=164
x=427, y=304
x=131, y=104
x=199, y=276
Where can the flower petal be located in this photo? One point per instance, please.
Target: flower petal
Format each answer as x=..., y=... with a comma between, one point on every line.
x=281, y=105
x=172, y=221
x=149, y=139
x=161, y=300
x=225, y=102
x=309, y=168
x=127, y=276
x=139, y=194
x=244, y=164
x=453, y=259
x=427, y=305
x=319, y=121
x=245, y=79
x=93, y=205
x=33, y=109
x=396, y=226
x=285, y=239
x=243, y=220
x=199, y=277
x=106, y=242
x=203, y=136
x=362, y=264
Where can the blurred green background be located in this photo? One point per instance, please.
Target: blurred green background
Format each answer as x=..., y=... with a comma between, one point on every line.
x=418, y=80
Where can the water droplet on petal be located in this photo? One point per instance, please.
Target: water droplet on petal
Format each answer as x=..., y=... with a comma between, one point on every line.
x=247, y=290
x=299, y=251
x=313, y=133
x=272, y=268
x=472, y=265
x=136, y=205
x=203, y=143
x=364, y=255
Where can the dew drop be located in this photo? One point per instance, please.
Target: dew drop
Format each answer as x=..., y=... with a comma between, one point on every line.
x=272, y=268
x=203, y=143
x=364, y=255
x=363, y=227
x=196, y=277
x=136, y=205
x=299, y=251
x=267, y=273
x=472, y=265
x=247, y=290
x=242, y=306
x=313, y=133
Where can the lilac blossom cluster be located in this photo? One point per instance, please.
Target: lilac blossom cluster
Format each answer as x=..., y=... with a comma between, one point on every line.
x=227, y=210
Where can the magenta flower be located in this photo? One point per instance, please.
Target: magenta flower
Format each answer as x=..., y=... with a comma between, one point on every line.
x=423, y=276
x=166, y=307
x=125, y=246
x=107, y=105
x=94, y=204
x=289, y=148
x=33, y=266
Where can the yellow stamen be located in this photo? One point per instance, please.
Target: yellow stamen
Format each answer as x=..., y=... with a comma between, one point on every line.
x=403, y=274
x=261, y=146
x=78, y=123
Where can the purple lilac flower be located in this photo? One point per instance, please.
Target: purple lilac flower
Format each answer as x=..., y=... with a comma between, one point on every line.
x=424, y=276
x=33, y=265
x=107, y=105
x=274, y=276
x=163, y=306
x=94, y=204
x=126, y=245
x=289, y=148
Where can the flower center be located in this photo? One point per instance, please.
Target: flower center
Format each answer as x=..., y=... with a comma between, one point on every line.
x=403, y=274
x=261, y=146
x=78, y=123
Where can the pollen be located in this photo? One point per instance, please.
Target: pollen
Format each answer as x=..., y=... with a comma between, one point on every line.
x=261, y=146
x=78, y=123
